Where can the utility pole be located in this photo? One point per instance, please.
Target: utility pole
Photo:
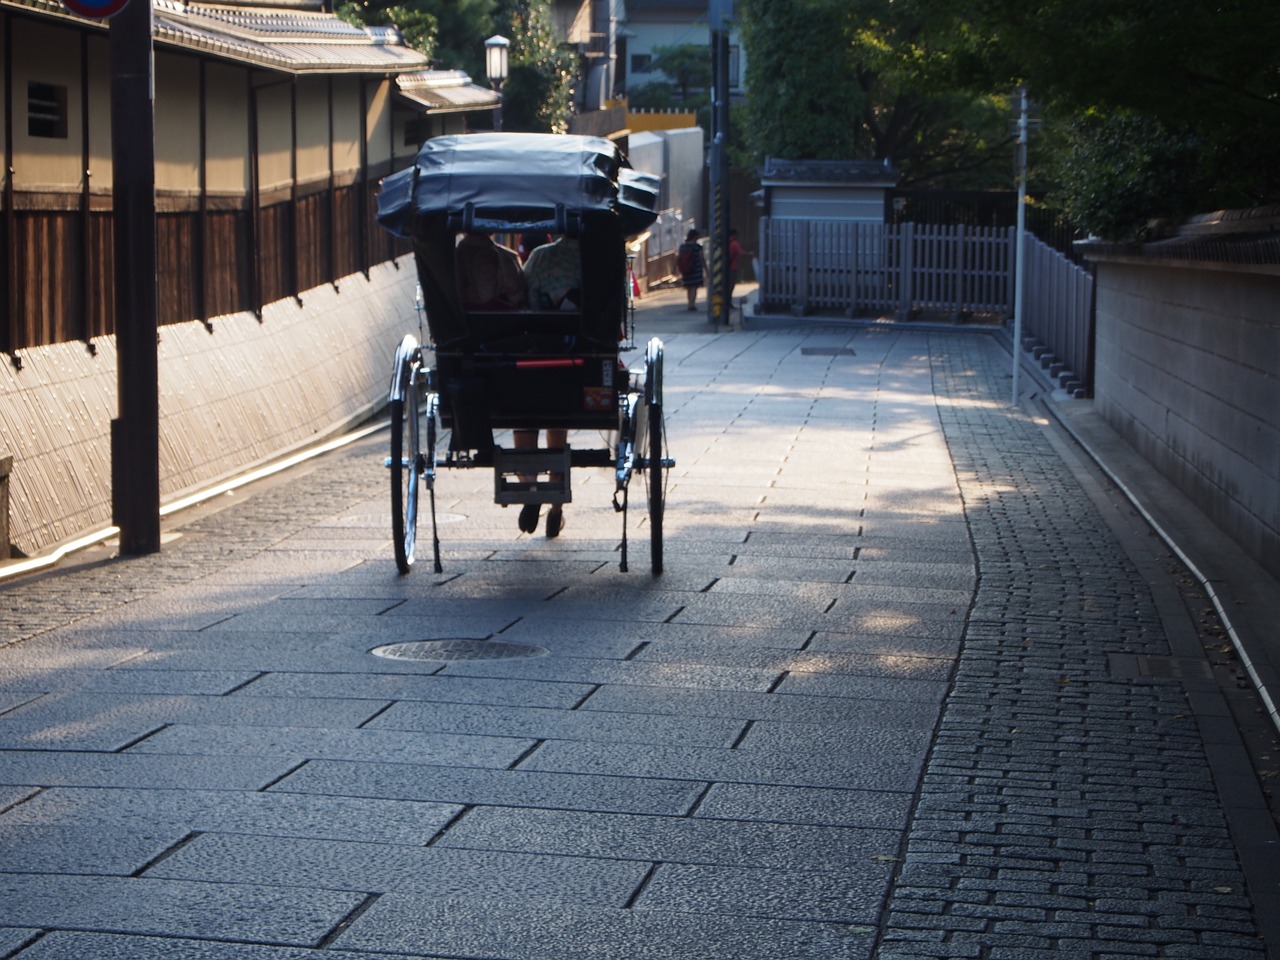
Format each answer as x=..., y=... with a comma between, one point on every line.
x=1020, y=251
x=135, y=434
x=719, y=289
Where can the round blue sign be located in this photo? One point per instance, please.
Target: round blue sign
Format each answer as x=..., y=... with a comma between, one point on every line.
x=95, y=9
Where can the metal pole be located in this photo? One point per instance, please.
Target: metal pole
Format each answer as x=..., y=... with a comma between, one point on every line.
x=719, y=288
x=1019, y=262
x=135, y=435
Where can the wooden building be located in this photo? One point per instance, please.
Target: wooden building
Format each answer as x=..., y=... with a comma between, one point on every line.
x=273, y=126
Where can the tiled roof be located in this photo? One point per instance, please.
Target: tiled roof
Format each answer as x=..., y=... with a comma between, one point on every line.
x=285, y=38
x=778, y=170
x=296, y=39
x=445, y=91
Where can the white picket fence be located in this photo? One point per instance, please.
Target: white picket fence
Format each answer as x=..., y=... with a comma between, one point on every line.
x=1058, y=314
x=841, y=267
x=865, y=269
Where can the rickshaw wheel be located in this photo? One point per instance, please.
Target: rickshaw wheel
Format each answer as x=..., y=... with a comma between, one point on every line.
x=405, y=457
x=657, y=480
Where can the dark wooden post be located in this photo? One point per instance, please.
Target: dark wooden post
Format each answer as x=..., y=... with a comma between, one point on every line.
x=135, y=435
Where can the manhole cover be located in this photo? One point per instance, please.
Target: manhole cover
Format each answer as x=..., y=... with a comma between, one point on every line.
x=445, y=650
x=827, y=352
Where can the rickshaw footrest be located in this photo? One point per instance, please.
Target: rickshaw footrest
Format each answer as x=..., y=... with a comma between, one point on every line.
x=531, y=476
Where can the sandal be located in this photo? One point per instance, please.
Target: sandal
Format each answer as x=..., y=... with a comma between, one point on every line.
x=555, y=522
x=529, y=517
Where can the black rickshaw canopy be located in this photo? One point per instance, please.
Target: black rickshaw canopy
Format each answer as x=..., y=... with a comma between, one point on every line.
x=515, y=182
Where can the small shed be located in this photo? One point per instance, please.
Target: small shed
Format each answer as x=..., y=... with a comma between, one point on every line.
x=826, y=189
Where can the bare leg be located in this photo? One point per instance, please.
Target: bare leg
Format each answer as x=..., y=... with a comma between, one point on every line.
x=556, y=439
x=527, y=440
x=693, y=297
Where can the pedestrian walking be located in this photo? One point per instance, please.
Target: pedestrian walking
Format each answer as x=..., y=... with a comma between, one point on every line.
x=692, y=266
x=735, y=261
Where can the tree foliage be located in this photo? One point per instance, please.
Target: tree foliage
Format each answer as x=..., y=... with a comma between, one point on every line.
x=857, y=79
x=538, y=94
x=1153, y=107
x=688, y=65
x=450, y=32
x=418, y=27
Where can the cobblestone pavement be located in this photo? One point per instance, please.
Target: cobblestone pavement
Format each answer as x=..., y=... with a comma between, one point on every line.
x=892, y=698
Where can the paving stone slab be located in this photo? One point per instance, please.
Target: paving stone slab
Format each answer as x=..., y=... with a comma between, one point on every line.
x=579, y=670
x=215, y=911
x=405, y=622
x=40, y=663
x=845, y=807
x=852, y=896
x=950, y=576
x=413, y=686
x=748, y=844
x=283, y=653
x=723, y=703
x=807, y=661
x=185, y=607
x=851, y=592
x=604, y=603
x=81, y=720
x=547, y=724
x=12, y=699
x=283, y=567
x=245, y=811
x=104, y=849
x=892, y=770
x=529, y=930
x=532, y=788
x=74, y=945
x=614, y=633
x=14, y=937
x=896, y=732
x=11, y=796
x=388, y=745
x=49, y=768
x=376, y=868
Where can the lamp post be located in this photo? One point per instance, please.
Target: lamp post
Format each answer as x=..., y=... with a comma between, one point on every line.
x=495, y=66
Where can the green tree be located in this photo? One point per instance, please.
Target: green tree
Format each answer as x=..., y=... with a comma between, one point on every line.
x=835, y=79
x=800, y=98
x=687, y=65
x=538, y=94
x=1114, y=171
x=451, y=32
x=1152, y=107
x=418, y=27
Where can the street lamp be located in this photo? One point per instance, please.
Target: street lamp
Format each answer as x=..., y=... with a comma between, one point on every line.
x=495, y=66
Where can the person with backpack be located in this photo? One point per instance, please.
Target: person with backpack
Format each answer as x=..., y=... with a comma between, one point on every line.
x=692, y=266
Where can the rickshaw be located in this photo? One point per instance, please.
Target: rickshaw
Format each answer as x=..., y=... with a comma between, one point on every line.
x=476, y=372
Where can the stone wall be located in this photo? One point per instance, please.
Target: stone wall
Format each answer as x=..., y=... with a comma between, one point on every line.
x=238, y=394
x=1188, y=372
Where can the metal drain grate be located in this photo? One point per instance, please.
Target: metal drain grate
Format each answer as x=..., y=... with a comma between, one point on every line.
x=1132, y=666
x=827, y=352
x=447, y=650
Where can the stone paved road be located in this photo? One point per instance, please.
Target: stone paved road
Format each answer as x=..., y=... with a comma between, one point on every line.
x=881, y=704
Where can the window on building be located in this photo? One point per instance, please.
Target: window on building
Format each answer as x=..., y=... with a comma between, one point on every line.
x=640, y=62
x=417, y=131
x=735, y=67
x=46, y=110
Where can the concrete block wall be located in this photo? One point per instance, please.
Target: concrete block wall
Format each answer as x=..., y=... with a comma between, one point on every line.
x=231, y=397
x=1188, y=372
